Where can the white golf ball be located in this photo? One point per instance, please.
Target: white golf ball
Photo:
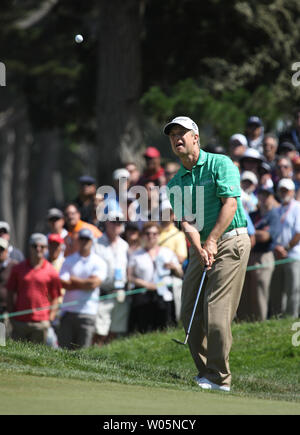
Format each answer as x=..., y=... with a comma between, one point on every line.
x=78, y=38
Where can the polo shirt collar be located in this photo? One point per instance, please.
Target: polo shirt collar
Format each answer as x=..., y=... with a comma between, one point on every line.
x=201, y=160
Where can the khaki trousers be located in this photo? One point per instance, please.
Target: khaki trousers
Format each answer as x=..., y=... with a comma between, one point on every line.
x=210, y=337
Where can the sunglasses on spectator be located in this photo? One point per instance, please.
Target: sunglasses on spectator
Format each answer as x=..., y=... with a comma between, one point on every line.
x=1, y=249
x=54, y=219
x=38, y=246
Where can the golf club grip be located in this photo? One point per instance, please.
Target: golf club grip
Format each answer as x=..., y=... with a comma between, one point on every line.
x=197, y=298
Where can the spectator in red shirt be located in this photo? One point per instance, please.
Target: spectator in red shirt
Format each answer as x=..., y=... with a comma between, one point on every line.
x=153, y=171
x=32, y=284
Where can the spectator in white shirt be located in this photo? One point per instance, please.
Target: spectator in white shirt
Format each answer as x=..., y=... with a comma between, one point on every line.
x=113, y=312
x=81, y=276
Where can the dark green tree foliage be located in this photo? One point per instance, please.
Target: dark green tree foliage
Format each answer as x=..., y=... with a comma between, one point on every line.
x=237, y=57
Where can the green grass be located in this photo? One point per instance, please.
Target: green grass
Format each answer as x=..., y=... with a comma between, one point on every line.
x=264, y=363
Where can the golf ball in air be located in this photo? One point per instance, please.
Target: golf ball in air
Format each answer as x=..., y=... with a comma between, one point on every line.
x=78, y=38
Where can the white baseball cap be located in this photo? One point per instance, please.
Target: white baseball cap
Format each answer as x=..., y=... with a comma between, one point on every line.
x=184, y=121
x=239, y=138
x=287, y=183
x=4, y=226
x=120, y=173
x=250, y=176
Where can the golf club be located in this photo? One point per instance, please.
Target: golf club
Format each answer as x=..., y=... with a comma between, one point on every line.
x=194, y=310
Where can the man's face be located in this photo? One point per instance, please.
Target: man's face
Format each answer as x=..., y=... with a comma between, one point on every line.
x=285, y=195
x=270, y=147
x=183, y=141
x=284, y=168
x=4, y=234
x=56, y=224
x=134, y=173
x=152, y=163
x=72, y=215
x=37, y=251
x=85, y=244
x=114, y=228
x=87, y=189
x=254, y=131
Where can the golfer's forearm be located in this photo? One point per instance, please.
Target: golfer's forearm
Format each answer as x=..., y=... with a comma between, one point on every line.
x=192, y=234
x=225, y=218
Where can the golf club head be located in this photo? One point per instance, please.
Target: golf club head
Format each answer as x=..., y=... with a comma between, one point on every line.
x=178, y=341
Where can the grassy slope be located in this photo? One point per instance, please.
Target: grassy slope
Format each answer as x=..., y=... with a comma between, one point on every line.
x=263, y=361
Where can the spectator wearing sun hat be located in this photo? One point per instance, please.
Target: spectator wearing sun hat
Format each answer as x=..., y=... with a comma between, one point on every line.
x=251, y=160
x=13, y=252
x=32, y=284
x=237, y=145
x=285, y=231
x=249, y=183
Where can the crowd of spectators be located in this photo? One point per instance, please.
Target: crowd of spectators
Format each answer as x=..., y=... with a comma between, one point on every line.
x=89, y=280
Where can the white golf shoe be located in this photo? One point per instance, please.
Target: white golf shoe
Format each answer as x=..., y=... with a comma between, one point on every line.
x=205, y=384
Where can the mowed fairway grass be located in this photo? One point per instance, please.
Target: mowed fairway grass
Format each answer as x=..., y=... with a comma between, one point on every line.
x=150, y=374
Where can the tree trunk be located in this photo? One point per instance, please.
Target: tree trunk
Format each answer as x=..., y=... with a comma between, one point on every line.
x=42, y=191
x=119, y=135
x=15, y=138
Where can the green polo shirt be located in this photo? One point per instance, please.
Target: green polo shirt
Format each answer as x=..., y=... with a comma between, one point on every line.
x=197, y=193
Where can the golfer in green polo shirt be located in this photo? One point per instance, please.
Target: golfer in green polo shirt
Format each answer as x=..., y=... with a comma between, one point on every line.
x=205, y=196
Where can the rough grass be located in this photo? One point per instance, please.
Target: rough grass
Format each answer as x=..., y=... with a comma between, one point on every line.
x=264, y=363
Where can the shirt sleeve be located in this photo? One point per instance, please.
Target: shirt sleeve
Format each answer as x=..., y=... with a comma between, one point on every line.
x=100, y=270
x=227, y=179
x=297, y=221
x=55, y=285
x=64, y=273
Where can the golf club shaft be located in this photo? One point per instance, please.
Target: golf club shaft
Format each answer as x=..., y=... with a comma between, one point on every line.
x=196, y=303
